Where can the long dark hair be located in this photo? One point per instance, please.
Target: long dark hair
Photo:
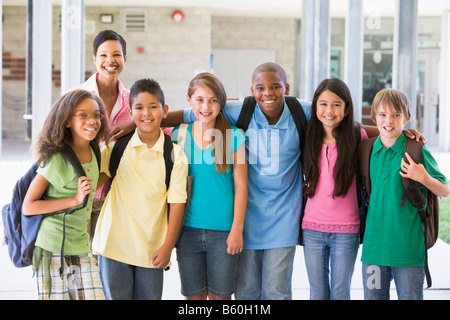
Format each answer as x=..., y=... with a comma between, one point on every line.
x=346, y=142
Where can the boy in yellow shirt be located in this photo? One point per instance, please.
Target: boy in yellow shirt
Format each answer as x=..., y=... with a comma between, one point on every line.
x=134, y=236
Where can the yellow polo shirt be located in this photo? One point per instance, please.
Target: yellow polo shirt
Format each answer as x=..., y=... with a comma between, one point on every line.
x=133, y=221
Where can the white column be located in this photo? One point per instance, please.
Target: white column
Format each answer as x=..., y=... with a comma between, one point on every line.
x=1, y=83
x=404, y=73
x=444, y=103
x=323, y=41
x=72, y=44
x=307, y=50
x=42, y=64
x=354, y=54
x=315, y=46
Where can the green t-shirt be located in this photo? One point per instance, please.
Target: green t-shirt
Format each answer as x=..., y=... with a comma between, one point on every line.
x=394, y=235
x=63, y=183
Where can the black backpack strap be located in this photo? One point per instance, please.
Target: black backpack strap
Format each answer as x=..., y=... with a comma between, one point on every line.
x=299, y=118
x=70, y=156
x=168, y=158
x=117, y=152
x=96, y=148
x=121, y=144
x=248, y=107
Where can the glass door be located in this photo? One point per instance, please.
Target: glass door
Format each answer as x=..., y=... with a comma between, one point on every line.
x=428, y=95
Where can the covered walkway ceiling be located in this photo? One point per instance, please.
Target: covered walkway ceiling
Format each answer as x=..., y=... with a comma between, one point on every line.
x=273, y=8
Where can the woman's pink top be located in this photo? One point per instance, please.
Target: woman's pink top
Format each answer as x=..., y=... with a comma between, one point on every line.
x=323, y=212
x=120, y=112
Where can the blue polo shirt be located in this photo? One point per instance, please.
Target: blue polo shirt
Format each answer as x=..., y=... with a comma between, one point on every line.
x=274, y=177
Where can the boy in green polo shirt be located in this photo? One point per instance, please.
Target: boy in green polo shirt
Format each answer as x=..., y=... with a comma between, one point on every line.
x=394, y=240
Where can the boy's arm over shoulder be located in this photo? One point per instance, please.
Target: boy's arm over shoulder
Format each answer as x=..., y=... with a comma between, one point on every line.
x=232, y=110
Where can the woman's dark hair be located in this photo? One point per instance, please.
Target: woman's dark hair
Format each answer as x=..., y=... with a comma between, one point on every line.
x=106, y=35
x=346, y=142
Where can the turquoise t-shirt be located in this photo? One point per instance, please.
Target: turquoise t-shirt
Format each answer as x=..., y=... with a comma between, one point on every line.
x=212, y=194
x=63, y=183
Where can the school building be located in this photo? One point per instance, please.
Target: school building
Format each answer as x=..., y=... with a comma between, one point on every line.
x=370, y=44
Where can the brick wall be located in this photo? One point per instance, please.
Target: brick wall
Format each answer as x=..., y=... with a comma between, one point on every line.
x=170, y=52
x=259, y=33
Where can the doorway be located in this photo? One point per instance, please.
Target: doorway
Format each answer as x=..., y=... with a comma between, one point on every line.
x=235, y=68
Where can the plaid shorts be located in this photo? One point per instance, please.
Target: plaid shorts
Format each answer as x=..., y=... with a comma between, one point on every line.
x=80, y=280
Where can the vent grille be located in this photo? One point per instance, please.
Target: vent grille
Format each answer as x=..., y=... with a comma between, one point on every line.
x=135, y=20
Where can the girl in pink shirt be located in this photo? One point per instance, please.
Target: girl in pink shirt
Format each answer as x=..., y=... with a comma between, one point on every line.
x=330, y=224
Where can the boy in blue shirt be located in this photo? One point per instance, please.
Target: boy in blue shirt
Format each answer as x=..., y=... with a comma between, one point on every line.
x=274, y=187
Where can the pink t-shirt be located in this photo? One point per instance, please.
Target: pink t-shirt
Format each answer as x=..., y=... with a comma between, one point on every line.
x=322, y=212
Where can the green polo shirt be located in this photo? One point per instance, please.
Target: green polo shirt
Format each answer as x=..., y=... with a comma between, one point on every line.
x=394, y=235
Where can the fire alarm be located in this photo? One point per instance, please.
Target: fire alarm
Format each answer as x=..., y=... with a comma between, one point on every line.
x=177, y=16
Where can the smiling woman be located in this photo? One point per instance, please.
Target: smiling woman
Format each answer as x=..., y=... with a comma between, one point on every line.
x=109, y=56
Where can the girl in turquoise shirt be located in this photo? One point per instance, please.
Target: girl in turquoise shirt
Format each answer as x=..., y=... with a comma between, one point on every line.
x=211, y=239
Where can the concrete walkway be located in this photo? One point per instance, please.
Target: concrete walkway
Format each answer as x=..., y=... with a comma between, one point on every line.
x=18, y=284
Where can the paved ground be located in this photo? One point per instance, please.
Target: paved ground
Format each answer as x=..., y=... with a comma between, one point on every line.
x=18, y=284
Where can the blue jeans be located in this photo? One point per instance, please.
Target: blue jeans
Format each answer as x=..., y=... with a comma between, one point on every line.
x=265, y=274
x=330, y=260
x=377, y=282
x=204, y=264
x=122, y=281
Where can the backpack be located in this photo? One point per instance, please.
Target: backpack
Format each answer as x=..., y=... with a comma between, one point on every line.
x=119, y=148
x=121, y=144
x=248, y=107
x=21, y=230
x=428, y=208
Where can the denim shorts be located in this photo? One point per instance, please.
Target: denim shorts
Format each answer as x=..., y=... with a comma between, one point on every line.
x=204, y=263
